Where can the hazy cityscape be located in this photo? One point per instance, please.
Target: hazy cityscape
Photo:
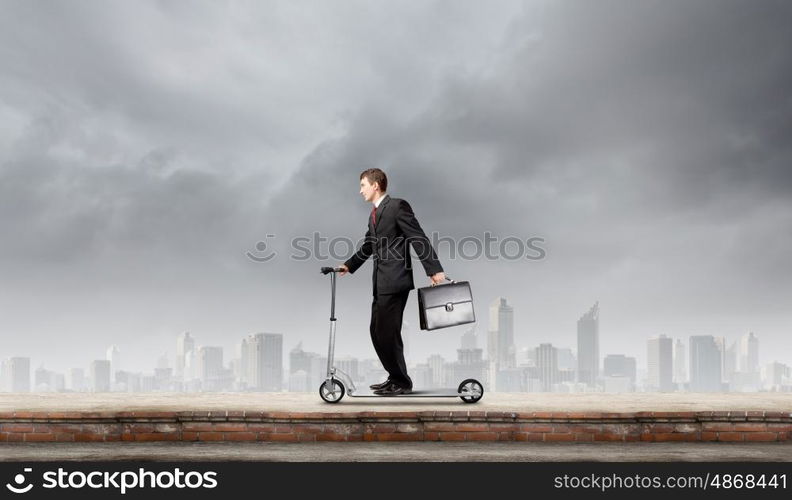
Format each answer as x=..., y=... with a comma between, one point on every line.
x=698, y=363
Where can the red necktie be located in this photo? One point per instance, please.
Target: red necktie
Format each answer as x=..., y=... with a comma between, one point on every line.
x=374, y=215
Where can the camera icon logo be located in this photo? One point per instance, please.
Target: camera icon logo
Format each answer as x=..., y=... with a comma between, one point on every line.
x=19, y=479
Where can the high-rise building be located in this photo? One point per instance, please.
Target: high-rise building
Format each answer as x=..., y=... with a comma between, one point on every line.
x=500, y=346
x=113, y=355
x=726, y=358
x=76, y=379
x=618, y=373
x=264, y=353
x=16, y=374
x=778, y=377
x=299, y=381
x=749, y=353
x=100, y=375
x=45, y=380
x=588, y=346
x=184, y=344
x=743, y=371
x=731, y=359
x=348, y=365
x=319, y=371
x=619, y=365
x=680, y=363
x=437, y=365
x=566, y=360
x=299, y=359
x=501, y=332
x=302, y=361
x=421, y=375
x=163, y=362
x=547, y=366
x=469, y=339
x=469, y=364
x=209, y=363
x=705, y=364
x=660, y=364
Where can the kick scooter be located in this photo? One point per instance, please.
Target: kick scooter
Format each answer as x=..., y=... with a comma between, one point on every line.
x=339, y=383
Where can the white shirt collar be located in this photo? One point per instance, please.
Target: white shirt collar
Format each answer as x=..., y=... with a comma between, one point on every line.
x=379, y=200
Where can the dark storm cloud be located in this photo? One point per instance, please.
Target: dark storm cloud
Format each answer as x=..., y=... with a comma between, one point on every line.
x=647, y=142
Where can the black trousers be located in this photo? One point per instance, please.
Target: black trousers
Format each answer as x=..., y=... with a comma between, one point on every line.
x=386, y=323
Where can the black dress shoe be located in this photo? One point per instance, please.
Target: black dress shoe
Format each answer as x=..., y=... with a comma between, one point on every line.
x=393, y=390
x=381, y=385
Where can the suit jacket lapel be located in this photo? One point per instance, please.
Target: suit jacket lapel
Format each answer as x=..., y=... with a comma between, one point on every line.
x=381, y=208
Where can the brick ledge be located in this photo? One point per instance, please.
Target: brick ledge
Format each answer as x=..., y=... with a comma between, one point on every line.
x=81, y=426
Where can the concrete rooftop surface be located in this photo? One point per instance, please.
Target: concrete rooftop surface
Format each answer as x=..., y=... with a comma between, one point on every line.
x=310, y=402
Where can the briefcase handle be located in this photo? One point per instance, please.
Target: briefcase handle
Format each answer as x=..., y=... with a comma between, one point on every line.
x=449, y=279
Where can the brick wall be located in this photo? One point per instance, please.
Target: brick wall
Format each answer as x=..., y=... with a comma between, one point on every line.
x=732, y=426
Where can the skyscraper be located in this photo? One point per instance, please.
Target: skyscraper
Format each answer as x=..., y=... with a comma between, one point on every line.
x=705, y=364
x=469, y=340
x=619, y=365
x=618, y=373
x=500, y=346
x=469, y=364
x=749, y=353
x=44, y=380
x=745, y=374
x=501, y=333
x=299, y=359
x=16, y=374
x=437, y=366
x=566, y=359
x=76, y=379
x=264, y=353
x=588, y=346
x=547, y=366
x=680, y=363
x=731, y=359
x=660, y=363
x=113, y=355
x=209, y=363
x=184, y=344
x=100, y=375
x=777, y=376
x=348, y=365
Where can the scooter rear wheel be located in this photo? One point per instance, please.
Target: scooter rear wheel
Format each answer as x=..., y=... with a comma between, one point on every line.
x=332, y=392
x=471, y=390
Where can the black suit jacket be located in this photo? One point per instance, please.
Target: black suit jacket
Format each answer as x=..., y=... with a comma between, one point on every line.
x=389, y=243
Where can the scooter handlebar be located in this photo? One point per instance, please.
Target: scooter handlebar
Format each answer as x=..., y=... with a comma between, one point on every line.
x=326, y=270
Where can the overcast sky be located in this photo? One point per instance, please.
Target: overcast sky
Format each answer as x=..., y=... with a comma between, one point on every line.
x=145, y=147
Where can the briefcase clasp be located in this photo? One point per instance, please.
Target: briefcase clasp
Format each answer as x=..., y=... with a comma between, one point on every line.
x=449, y=306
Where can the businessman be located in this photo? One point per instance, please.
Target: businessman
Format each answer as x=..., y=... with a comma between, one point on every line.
x=392, y=228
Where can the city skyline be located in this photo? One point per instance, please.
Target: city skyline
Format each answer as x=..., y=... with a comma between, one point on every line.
x=257, y=363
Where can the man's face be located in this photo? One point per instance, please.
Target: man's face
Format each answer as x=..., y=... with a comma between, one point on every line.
x=369, y=191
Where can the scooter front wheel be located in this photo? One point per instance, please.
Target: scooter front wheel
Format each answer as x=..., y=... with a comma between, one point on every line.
x=331, y=391
x=471, y=390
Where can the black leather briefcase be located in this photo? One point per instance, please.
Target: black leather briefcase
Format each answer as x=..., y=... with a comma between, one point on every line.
x=441, y=306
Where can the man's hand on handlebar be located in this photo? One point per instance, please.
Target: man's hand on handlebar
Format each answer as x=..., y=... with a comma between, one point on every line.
x=344, y=269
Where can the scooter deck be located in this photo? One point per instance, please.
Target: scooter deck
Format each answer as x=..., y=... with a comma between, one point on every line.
x=428, y=393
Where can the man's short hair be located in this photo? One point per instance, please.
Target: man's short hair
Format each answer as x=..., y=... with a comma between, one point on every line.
x=376, y=175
